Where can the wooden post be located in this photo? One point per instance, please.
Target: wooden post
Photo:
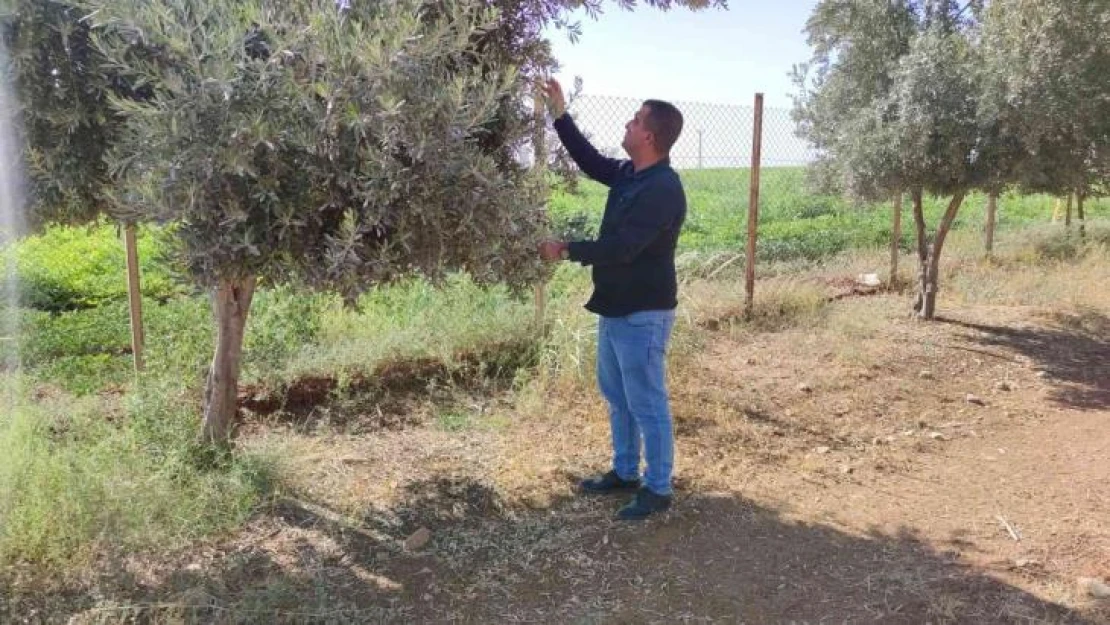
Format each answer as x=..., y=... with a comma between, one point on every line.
x=753, y=205
x=1079, y=214
x=134, y=295
x=992, y=211
x=540, y=164
x=895, y=240
x=1067, y=213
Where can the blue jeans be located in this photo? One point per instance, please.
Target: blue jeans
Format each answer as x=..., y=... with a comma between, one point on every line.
x=631, y=373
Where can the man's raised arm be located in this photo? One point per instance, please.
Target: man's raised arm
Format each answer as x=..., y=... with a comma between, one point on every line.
x=586, y=156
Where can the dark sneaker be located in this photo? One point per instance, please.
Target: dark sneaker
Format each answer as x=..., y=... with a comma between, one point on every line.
x=608, y=484
x=643, y=505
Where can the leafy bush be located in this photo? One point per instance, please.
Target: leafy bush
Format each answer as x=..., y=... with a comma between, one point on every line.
x=70, y=268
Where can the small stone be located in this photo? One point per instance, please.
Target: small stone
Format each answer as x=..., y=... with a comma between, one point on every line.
x=1042, y=374
x=823, y=449
x=973, y=399
x=751, y=361
x=937, y=436
x=1093, y=587
x=926, y=375
x=805, y=388
x=845, y=469
x=869, y=279
x=418, y=539
x=1022, y=563
x=1004, y=386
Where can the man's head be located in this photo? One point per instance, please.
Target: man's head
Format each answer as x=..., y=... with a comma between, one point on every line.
x=653, y=130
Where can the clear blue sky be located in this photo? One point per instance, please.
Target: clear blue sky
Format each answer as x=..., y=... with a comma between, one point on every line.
x=713, y=55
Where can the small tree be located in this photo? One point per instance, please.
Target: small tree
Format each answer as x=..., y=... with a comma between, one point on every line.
x=894, y=106
x=333, y=148
x=856, y=51
x=1049, y=60
x=936, y=135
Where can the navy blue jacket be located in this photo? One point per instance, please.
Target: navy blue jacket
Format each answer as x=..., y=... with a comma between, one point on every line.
x=633, y=257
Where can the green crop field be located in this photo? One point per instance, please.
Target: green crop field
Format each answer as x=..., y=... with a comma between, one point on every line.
x=794, y=222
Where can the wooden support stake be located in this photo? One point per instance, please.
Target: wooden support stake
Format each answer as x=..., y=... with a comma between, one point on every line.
x=895, y=240
x=992, y=212
x=134, y=295
x=753, y=206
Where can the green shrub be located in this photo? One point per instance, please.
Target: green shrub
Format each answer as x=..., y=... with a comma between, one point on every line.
x=282, y=322
x=68, y=268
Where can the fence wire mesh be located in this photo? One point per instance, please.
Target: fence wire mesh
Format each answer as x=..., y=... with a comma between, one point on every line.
x=714, y=136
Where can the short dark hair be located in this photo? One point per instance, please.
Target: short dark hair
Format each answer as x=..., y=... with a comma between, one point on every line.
x=664, y=120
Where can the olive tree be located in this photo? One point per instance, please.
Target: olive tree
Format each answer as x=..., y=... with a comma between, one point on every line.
x=333, y=147
x=891, y=100
x=1049, y=60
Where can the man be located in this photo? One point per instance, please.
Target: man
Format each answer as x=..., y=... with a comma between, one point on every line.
x=635, y=294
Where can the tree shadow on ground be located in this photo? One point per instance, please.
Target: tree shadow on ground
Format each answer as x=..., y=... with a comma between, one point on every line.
x=1071, y=350
x=712, y=558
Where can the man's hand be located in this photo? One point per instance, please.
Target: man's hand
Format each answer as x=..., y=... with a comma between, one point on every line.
x=553, y=250
x=556, y=101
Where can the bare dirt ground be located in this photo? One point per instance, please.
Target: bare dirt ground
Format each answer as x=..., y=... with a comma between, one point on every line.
x=860, y=467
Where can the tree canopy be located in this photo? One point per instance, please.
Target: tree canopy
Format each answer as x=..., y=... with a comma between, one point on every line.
x=942, y=97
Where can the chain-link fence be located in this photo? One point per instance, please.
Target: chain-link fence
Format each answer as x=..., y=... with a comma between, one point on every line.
x=714, y=136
